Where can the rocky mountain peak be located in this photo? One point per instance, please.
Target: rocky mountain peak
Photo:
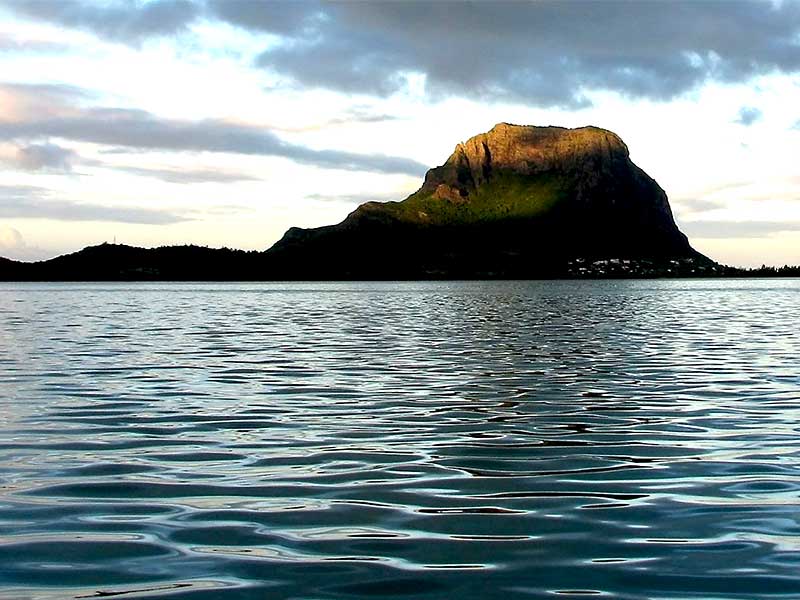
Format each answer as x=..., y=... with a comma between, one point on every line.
x=524, y=150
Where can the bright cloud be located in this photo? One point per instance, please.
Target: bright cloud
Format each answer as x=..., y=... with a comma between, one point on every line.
x=10, y=238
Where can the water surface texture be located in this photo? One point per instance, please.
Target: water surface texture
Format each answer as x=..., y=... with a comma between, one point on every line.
x=621, y=439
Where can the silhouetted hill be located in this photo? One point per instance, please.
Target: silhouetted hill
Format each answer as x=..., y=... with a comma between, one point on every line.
x=11, y=269
x=117, y=262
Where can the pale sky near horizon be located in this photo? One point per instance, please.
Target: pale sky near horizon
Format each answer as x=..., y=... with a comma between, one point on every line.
x=225, y=122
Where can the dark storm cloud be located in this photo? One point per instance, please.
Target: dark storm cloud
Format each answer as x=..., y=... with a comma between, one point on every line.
x=281, y=17
x=737, y=229
x=30, y=202
x=748, y=115
x=545, y=52
x=128, y=21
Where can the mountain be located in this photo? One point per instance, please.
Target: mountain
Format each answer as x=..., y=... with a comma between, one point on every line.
x=515, y=202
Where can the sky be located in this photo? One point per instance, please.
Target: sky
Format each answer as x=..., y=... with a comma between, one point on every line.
x=225, y=122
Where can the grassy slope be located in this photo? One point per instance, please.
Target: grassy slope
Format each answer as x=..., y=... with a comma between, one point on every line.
x=505, y=196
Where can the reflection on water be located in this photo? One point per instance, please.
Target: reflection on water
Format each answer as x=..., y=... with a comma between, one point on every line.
x=634, y=439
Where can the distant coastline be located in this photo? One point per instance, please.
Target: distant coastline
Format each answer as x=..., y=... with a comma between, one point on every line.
x=119, y=262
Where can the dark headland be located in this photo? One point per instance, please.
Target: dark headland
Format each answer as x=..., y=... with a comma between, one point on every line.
x=515, y=202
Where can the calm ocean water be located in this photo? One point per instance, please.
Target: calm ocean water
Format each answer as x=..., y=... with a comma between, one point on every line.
x=628, y=439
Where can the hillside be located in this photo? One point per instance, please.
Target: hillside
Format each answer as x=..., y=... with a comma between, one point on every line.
x=515, y=201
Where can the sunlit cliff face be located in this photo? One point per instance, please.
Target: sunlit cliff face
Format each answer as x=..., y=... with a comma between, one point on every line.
x=225, y=123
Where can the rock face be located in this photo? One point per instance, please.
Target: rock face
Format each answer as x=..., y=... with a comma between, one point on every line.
x=517, y=201
x=527, y=151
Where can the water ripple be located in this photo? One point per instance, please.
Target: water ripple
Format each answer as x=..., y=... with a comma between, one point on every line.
x=621, y=439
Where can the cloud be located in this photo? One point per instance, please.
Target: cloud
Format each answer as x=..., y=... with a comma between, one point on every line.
x=545, y=52
x=358, y=198
x=748, y=115
x=129, y=21
x=41, y=112
x=282, y=17
x=52, y=92
x=185, y=176
x=725, y=186
x=355, y=115
x=50, y=157
x=737, y=229
x=14, y=246
x=43, y=157
x=31, y=202
x=360, y=114
x=10, y=238
x=222, y=210
x=24, y=46
x=142, y=130
x=25, y=101
x=696, y=205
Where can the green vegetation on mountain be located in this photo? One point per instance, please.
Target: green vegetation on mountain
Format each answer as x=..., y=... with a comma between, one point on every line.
x=506, y=196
